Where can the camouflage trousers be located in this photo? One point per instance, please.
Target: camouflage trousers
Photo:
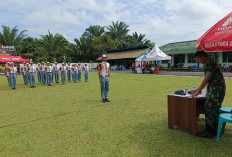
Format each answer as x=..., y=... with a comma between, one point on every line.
x=212, y=109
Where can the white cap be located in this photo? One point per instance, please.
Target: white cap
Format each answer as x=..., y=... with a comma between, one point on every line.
x=104, y=56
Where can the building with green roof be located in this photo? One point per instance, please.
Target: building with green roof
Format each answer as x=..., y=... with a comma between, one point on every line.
x=183, y=53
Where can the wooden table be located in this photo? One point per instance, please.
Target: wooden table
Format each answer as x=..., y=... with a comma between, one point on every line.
x=183, y=112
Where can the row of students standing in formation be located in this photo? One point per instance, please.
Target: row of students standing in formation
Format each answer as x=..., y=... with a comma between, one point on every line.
x=46, y=73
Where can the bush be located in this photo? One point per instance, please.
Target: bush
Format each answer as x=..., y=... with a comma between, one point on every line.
x=161, y=67
x=190, y=67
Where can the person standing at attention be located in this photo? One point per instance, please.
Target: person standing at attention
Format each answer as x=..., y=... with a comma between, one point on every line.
x=63, y=73
x=32, y=71
x=23, y=72
x=49, y=74
x=79, y=72
x=74, y=69
x=38, y=69
x=216, y=89
x=69, y=68
x=104, y=78
x=7, y=73
x=43, y=73
x=86, y=72
x=13, y=75
x=56, y=69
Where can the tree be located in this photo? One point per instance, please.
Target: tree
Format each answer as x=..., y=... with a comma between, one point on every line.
x=12, y=37
x=54, y=45
x=95, y=31
x=29, y=46
x=139, y=38
x=118, y=32
x=101, y=44
x=149, y=43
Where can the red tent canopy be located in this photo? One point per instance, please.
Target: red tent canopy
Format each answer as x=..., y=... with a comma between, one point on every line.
x=218, y=38
x=15, y=59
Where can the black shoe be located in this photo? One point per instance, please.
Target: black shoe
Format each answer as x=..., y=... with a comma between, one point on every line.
x=107, y=100
x=103, y=101
x=205, y=134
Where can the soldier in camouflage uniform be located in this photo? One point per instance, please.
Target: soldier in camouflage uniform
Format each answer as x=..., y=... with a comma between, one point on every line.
x=215, y=93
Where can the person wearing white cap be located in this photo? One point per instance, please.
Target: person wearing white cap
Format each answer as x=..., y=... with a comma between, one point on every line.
x=49, y=74
x=86, y=72
x=69, y=68
x=26, y=68
x=56, y=69
x=104, y=78
x=38, y=69
x=43, y=73
x=79, y=72
x=52, y=72
x=7, y=73
x=73, y=65
x=63, y=73
x=74, y=69
x=13, y=75
x=32, y=72
x=23, y=72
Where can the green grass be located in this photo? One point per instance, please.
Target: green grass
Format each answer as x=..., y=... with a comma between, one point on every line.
x=71, y=120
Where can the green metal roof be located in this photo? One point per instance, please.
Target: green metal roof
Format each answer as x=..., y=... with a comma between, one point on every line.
x=184, y=47
x=128, y=49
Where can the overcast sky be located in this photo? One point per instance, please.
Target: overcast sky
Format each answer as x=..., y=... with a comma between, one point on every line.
x=163, y=21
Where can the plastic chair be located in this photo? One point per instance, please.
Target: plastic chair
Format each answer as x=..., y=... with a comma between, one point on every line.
x=226, y=110
x=223, y=119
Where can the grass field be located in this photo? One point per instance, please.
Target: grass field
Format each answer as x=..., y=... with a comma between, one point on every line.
x=71, y=120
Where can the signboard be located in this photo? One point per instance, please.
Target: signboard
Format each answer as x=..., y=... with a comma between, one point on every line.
x=11, y=50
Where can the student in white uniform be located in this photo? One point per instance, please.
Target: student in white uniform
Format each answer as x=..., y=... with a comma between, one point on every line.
x=7, y=73
x=32, y=72
x=63, y=73
x=52, y=72
x=74, y=69
x=104, y=78
x=38, y=69
x=49, y=74
x=26, y=69
x=69, y=69
x=56, y=69
x=79, y=72
x=43, y=73
x=13, y=75
x=23, y=72
x=86, y=72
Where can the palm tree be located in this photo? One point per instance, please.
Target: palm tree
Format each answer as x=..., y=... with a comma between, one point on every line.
x=12, y=37
x=53, y=44
x=95, y=31
x=139, y=38
x=118, y=32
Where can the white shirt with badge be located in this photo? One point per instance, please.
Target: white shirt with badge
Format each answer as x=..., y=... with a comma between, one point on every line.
x=13, y=70
x=86, y=68
x=63, y=68
x=105, y=69
x=49, y=69
x=43, y=68
x=32, y=69
x=56, y=68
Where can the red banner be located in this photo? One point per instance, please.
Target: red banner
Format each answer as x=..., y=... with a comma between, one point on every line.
x=218, y=38
x=15, y=59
